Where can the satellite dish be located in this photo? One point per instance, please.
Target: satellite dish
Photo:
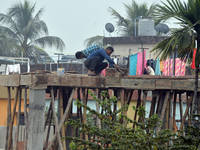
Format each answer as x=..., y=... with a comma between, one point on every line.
x=165, y=28
x=109, y=27
x=159, y=28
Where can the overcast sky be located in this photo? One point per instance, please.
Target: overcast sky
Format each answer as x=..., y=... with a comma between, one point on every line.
x=76, y=20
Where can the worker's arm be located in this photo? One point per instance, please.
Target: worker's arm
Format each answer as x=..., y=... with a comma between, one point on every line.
x=103, y=53
x=117, y=67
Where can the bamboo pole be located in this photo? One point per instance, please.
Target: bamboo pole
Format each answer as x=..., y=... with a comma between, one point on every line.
x=122, y=104
x=158, y=103
x=18, y=120
x=170, y=111
x=12, y=120
x=152, y=109
x=46, y=120
x=174, y=113
x=77, y=114
x=129, y=97
x=84, y=111
x=8, y=116
x=181, y=106
x=66, y=115
x=125, y=102
x=55, y=119
x=186, y=112
x=48, y=130
x=26, y=119
x=164, y=109
x=138, y=104
x=167, y=116
x=61, y=115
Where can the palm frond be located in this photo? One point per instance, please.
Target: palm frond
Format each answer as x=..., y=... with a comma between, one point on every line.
x=50, y=41
x=94, y=40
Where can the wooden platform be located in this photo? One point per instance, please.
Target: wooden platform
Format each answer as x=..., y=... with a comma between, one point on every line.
x=145, y=82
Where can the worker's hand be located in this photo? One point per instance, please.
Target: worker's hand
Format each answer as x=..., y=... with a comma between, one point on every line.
x=116, y=66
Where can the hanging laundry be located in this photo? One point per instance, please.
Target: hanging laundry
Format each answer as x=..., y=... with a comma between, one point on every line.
x=183, y=68
x=154, y=64
x=171, y=67
x=178, y=67
x=166, y=67
x=13, y=69
x=139, y=62
x=133, y=64
x=161, y=65
x=157, y=70
x=193, y=61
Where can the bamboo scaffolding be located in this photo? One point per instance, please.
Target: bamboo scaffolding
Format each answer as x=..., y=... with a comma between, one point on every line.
x=84, y=110
x=65, y=116
x=26, y=119
x=12, y=120
x=8, y=116
x=186, y=112
x=55, y=120
x=137, y=106
x=164, y=109
x=61, y=115
x=48, y=130
x=18, y=116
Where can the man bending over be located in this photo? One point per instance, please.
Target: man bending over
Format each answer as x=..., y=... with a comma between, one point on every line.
x=94, y=62
x=86, y=52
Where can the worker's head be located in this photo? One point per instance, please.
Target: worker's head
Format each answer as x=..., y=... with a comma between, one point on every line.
x=79, y=55
x=109, y=50
x=147, y=64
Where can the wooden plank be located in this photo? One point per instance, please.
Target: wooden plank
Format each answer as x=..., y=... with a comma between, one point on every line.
x=164, y=109
x=10, y=80
x=163, y=84
x=113, y=82
x=183, y=85
x=141, y=84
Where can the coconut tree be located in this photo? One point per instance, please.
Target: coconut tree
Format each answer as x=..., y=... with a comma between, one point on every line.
x=24, y=26
x=187, y=15
x=125, y=26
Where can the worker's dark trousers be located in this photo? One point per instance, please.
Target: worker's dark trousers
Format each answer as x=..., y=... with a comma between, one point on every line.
x=94, y=64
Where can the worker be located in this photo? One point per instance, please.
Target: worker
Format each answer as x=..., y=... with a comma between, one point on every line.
x=86, y=52
x=150, y=70
x=94, y=62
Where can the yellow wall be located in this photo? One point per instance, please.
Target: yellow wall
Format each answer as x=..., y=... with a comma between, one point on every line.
x=3, y=104
x=130, y=112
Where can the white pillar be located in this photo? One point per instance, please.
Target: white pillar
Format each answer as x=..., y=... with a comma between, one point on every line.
x=36, y=117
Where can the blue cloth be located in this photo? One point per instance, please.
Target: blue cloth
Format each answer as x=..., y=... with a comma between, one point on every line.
x=133, y=64
x=89, y=50
x=157, y=70
x=101, y=53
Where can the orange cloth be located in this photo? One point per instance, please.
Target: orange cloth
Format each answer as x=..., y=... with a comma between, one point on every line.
x=161, y=65
x=193, y=61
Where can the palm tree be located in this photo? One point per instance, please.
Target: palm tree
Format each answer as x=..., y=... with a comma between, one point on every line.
x=125, y=26
x=27, y=30
x=187, y=15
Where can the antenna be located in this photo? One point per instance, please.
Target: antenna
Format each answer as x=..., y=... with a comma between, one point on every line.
x=109, y=27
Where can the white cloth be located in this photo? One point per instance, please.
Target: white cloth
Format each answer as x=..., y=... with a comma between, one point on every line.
x=150, y=71
x=115, y=60
x=13, y=69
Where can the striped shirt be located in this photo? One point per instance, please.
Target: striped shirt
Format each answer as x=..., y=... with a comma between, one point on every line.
x=89, y=50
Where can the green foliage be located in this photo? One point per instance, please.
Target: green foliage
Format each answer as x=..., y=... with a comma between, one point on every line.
x=114, y=135
x=24, y=31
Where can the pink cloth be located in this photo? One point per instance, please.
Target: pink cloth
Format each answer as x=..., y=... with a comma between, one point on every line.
x=139, y=62
x=166, y=67
x=179, y=67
